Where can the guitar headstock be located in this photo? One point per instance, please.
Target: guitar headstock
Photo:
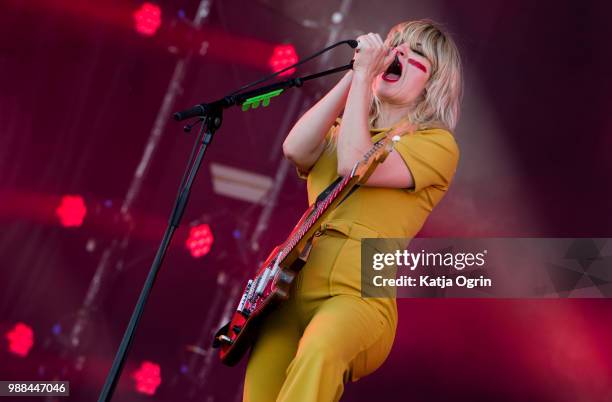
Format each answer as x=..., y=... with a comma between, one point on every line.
x=377, y=154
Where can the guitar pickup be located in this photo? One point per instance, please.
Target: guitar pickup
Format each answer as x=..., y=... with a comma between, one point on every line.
x=245, y=295
x=263, y=281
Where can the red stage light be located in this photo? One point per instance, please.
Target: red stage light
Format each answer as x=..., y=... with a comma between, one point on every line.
x=21, y=339
x=200, y=240
x=71, y=211
x=148, y=378
x=147, y=19
x=283, y=56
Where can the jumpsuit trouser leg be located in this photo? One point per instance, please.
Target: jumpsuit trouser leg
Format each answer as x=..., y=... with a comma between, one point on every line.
x=324, y=336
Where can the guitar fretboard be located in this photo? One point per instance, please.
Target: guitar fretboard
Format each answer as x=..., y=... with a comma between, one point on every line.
x=316, y=213
x=322, y=205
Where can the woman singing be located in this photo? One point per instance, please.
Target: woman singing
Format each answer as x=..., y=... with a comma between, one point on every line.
x=326, y=333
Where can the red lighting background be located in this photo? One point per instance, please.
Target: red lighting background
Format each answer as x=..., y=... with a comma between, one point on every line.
x=147, y=19
x=82, y=84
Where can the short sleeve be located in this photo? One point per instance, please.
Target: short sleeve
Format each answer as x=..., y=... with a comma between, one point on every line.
x=304, y=174
x=431, y=157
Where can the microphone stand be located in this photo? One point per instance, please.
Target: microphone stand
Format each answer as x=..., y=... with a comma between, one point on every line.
x=211, y=116
x=250, y=97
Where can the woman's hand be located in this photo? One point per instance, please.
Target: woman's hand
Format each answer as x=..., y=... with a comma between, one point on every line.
x=372, y=57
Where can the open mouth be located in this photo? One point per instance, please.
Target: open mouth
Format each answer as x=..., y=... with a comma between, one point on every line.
x=394, y=71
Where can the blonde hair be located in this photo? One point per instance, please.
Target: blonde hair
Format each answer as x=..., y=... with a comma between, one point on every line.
x=438, y=105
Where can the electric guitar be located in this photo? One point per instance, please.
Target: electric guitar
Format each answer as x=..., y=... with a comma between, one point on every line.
x=273, y=279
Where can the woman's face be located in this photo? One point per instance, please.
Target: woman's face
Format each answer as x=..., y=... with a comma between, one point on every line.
x=402, y=84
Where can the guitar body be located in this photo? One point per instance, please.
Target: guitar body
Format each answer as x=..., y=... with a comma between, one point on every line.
x=272, y=282
x=266, y=290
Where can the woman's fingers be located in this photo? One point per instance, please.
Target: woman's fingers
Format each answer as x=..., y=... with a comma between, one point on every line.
x=377, y=42
x=374, y=40
x=388, y=60
x=381, y=43
x=368, y=40
x=377, y=38
x=373, y=56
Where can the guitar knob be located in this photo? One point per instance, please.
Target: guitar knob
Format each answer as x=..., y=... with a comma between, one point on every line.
x=225, y=339
x=282, y=293
x=286, y=277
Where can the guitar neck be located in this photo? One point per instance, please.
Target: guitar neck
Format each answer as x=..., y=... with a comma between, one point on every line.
x=361, y=171
x=317, y=211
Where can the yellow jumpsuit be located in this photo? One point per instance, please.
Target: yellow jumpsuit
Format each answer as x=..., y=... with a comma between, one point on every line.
x=326, y=333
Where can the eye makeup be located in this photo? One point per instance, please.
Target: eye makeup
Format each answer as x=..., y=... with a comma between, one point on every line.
x=418, y=65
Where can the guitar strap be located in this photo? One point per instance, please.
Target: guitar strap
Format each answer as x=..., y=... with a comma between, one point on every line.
x=330, y=188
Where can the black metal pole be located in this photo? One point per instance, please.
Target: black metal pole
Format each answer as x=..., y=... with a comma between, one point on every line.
x=211, y=124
